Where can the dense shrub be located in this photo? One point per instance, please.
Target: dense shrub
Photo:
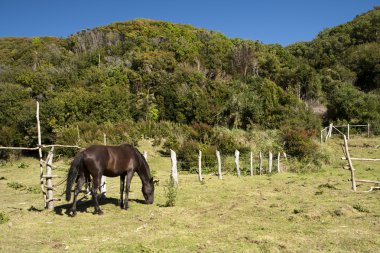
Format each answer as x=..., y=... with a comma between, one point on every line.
x=187, y=155
x=298, y=143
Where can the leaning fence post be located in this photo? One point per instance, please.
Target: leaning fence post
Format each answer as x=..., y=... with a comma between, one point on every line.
x=173, y=156
x=219, y=165
x=348, y=157
x=40, y=153
x=49, y=182
x=260, y=163
x=270, y=162
x=251, y=164
x=237, y=154
x=200, y=166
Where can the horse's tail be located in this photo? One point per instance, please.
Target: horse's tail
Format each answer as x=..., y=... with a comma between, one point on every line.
x=76, y=166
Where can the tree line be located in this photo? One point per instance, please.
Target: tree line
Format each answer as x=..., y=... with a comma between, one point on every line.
x=149, y=73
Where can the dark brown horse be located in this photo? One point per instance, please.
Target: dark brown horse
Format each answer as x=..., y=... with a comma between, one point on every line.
x=110, y=161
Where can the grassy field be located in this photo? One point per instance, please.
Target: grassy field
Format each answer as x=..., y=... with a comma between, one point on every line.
x=284, y=212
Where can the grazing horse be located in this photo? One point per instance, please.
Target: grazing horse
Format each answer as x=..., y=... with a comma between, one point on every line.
x=110, y=161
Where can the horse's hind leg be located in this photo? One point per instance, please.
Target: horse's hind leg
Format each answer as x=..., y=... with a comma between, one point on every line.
x=122, y=183
x=78, y=187
x=94, y=192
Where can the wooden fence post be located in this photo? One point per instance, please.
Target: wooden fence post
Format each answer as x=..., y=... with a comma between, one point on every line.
x=368, y=130
x=270, y=162
x=145, y=155
x=348, y=131
x=286, y=161
x=49, y=180
x=78, y=134
x=321, y=136
x=328, y=135
x=173, y=156
x=200, y=166
x=260, y=163
x=237, y=154
x=278, y=163
x=350, y=163
x=40, y=153
x=219, y=165
x=251, y=164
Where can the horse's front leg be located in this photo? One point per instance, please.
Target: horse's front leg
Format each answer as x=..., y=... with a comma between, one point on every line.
x=122, y=182
x=78, y=187
x=94, y=192
x=127, y=188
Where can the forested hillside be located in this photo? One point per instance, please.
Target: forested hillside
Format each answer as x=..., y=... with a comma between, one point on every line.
x=164, y=80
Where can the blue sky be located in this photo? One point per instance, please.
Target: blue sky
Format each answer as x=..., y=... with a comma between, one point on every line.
x=269, y=21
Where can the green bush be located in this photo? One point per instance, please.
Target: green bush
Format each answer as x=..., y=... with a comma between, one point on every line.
x=171, y=190
x=3, y=218
x=187, y=155
x=298, y=143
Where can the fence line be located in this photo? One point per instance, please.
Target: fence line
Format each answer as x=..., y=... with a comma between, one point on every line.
x=328, y=131
x=175, y=163
x=352, y=169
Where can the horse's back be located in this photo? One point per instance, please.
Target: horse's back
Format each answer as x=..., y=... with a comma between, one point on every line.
x=110, y=161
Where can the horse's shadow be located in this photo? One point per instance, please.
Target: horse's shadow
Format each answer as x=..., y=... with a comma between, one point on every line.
x=86, y=205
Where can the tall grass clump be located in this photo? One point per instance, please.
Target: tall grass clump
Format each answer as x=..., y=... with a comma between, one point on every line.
x=171, y=190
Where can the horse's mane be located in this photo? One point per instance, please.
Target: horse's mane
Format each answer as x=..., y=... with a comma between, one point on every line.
x=143, y=162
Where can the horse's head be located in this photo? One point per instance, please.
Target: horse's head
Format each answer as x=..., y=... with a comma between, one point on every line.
x=148, y=191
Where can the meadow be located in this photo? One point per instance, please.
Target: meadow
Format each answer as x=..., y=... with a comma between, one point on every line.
x=286, y=212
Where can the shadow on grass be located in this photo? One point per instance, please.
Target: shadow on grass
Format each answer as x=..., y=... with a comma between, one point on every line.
x=34, y=209
x=86, y=203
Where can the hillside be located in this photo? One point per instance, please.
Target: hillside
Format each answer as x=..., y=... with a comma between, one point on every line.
x=131, y=78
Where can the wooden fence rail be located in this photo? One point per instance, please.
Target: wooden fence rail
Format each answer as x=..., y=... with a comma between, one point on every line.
x=46, y=179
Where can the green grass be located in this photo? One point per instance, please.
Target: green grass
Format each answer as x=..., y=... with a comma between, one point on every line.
x=284, y=212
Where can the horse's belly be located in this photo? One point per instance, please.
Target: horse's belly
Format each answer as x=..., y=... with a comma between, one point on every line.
x=112, y=173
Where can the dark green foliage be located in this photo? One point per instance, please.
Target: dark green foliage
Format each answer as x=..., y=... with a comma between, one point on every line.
x=360, y=208
x=348, y=55
x=297, y=143
x=349, y=104
x=188, y=155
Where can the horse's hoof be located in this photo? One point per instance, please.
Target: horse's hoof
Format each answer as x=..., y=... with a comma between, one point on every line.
x=72, y=213
x=100, y=212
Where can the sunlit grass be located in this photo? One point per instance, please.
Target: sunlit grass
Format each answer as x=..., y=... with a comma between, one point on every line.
x=284, y=212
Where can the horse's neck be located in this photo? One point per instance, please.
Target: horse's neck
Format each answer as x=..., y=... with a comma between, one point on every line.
x=143, y=174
